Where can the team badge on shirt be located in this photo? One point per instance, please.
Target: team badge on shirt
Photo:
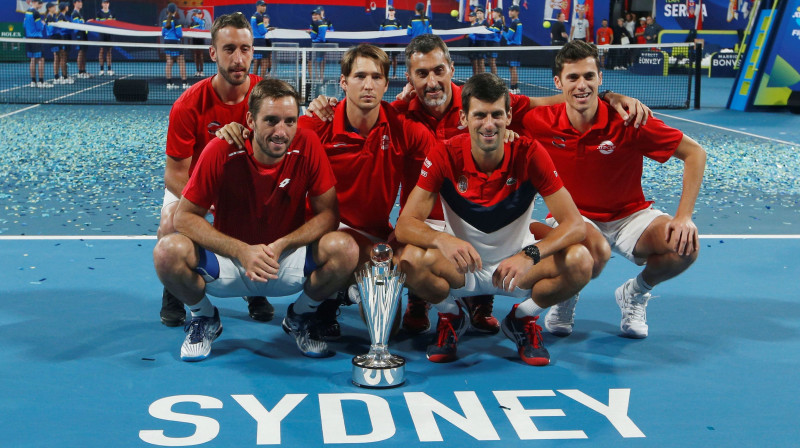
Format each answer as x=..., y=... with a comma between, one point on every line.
x=559, y=142
x=385, y=142
x=606, y=147
x=463, y=184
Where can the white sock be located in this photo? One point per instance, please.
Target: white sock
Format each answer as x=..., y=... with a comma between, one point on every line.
x=305, y=304
x=527, y=308
x=450, y=305
x=203, y=308
x=641, y=286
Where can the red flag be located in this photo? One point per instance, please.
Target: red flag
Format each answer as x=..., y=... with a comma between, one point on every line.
x=488, y=13
x=698, y=22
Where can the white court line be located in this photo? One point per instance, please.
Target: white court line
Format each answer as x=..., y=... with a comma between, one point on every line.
x=152, y=237
x=731, y=130
x=62, y=97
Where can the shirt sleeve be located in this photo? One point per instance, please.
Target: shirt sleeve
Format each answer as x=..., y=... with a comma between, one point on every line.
x=180, y=132
x=433, y=169
x=202, y=188
x=656, y=140
x=541, y=170
x=322, y=178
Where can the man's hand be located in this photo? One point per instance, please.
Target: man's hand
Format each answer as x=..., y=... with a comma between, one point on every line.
x=407, y=94
x=630, y=109
x=510, y=136
x=460, y=252
x=322, y=107
x=260, y=262
x=234, y=133
x=510, y=271
x=681, y=234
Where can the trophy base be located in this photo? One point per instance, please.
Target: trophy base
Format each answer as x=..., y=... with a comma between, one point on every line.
x=390, y=374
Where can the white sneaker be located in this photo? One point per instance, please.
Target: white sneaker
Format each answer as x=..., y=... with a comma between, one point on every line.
x=171, y=86
x=634, y=310
x=196, y=74
x=58, y=81
x=101, y=73
x=68, y=81
x=38, y=84
x=47, y=85
x=561, y=317
x=202, y=75
x=110, y=72
x=185, y=85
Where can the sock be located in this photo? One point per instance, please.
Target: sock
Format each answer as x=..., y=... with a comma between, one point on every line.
x=527, y=308
x=513, y=86
x=203, y=308
x=41, y=79
x=450, y=305
x=641, y=286
x=305, y=304
x=33, y=79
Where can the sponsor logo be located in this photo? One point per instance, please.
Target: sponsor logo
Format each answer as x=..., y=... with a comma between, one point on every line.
x=463, y=184
x=723, y=62
x=559, y=142
x=511, y=181
x=234, y=153
x=423, y=173
x=606, y=147
x=336, y=145
x=385, y=143
x=284, y=183
x=213, y=127
x=427, y=163
x=555, y=172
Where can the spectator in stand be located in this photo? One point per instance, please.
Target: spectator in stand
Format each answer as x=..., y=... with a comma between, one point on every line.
x=558, y=31
x=605, y=36
x=619, y=57
x=639, y=34
x=630, y=23
x=652, y=30
x=580, y=28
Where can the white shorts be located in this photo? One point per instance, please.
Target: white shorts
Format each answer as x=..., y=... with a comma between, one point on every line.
x=623, y=234
x=226, y=277
x=169, y=198
x=480, y=282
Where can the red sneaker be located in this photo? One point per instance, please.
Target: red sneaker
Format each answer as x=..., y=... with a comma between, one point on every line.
x=415, y=319
x=480, y=314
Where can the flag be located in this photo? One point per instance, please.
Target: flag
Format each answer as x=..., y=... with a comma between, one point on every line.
x=488, y=12
x=388, y=4
x=698, y=21
x=429, y=10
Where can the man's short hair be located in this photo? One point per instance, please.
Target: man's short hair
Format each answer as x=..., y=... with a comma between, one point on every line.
x=365, y=51
x=425, y=43
x=486, y=87
x=236, y=20
x=271, y=88
x=574, y=51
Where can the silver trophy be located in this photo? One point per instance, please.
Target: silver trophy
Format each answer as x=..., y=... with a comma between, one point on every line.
x=380, y=285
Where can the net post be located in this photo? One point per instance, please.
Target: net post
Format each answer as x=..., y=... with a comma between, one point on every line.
x=698, y=60
x=303, y=78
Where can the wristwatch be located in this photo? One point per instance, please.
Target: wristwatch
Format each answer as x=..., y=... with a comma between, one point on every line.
x=532, y=252
x=603, y=94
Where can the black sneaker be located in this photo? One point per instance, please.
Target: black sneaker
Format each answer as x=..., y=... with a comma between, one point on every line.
x=306, y=331
x=527, y=334
x=259, y=308
x=327, y=312
x=449, y=328
x=415, y=318
x=173, y=314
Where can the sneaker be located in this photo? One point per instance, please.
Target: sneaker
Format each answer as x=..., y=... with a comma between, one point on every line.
x=68, y=81
x=110, y=72
x=306, y=331
x=527, y=334
x=46, y=85
x=32, y=84
x=171, y=86
x=196, y=74
x=480, y=314
x=185, y=86
x=259, y=308
x=57, y=81
x=561, y=317
x=201, y=331
x=101, y=73
x=449, y=328
x=202, y=75
x=415, y=318
x=634, y=310
x=173, y=313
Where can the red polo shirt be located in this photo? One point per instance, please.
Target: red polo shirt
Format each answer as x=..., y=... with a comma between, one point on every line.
x=602, y=168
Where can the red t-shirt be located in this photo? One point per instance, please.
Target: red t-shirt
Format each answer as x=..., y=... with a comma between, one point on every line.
x=258, y=203
x=602, y=168
x=369, y=170
x=640, y=39
x=443, y=128
x=492, y=211
x=605, y=36
x=196, y=115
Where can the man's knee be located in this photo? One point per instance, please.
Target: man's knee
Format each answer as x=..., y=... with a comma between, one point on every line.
x=339, y=248
x=578, y=264
x=172, y=253
x=600, y=251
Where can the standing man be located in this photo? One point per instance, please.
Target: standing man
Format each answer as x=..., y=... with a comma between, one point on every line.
x=652, y=30
x=194, y=118
x=640, y=39
x=620, y=56
x=420, y=23
x=488, y=189
x=605, y=36
x=66, y=35
x=599, y=159
x=479, y=41
x=513, y=35
x=34, y=26
x=77, y=17
x=259, y=31
x=558, y=31
x=51, y=32
x=580, y=28
x=317, y=32
x=390, y=23
x=260, y=240
x=101, y=16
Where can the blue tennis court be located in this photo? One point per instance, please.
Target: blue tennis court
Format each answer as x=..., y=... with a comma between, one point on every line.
x=87, y=363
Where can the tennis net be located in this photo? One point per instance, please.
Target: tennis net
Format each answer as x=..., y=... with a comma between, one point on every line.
x=660, y=76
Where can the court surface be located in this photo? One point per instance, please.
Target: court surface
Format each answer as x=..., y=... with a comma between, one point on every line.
x=85, y=361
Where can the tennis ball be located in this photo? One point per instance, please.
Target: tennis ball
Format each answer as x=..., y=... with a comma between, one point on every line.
x=546, y=24
x=454, y=13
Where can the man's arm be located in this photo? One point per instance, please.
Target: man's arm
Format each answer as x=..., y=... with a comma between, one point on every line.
x=259, y=263
x=565, y=212
x=411, y=229
x=681, y=232
x=326, y=219
x=176, y=174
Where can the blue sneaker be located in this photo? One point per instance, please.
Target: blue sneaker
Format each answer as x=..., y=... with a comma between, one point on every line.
x=527, y=335
x=307, y=331
x=200, y=333
x=449, y=329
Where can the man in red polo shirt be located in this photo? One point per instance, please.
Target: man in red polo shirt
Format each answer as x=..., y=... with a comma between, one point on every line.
x=431, y=98
x=193, y=120
x=487, y=189
x=261, y=241
x=600, y=161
